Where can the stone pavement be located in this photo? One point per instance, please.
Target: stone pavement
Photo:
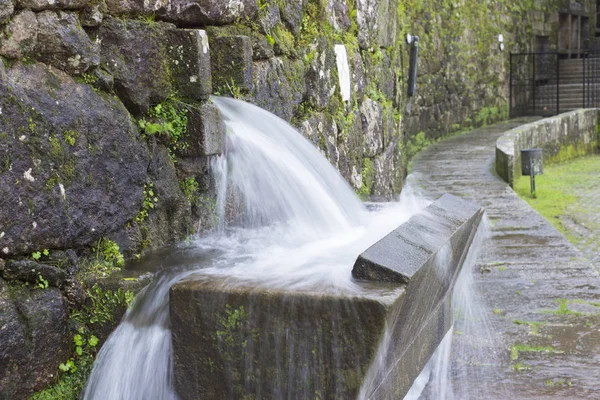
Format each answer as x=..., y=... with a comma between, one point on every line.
x=541, y=295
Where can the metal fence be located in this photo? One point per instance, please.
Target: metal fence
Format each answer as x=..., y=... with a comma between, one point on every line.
x=545, y=84
x=534, y=84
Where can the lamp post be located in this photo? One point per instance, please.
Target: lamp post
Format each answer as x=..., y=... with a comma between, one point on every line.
x=412, y=70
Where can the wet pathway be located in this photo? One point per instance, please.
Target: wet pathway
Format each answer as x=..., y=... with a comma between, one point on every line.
x=541, y=294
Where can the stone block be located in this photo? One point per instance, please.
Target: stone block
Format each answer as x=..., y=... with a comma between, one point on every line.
x=93, y=15
x=231, y=60
x=371, y=115
x=401, y=254
x=34, y=339
x=63, y=44
x=7, y=8
x=189, y=59
x=20, y=36
x=206, y=12
x=134, y=53
x=321, y=77
x=375, y=27
x=206, y=131
x=279, y=86
x=235, y=338
x=30, y=271
x=291, y=13
x=77, y=156
x=40, y=5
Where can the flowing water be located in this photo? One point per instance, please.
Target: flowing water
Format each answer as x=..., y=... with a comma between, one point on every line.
x=287, y=219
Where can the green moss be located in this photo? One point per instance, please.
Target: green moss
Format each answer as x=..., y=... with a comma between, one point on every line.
x=368, y=178
x=70, y=137
x=571, y=152
x=190, y=187
x=517, y=349
x=284, y=39
x=563, y=309
x=414, y=145
x=534, y=326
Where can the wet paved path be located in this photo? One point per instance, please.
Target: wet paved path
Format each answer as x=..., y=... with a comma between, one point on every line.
x=541, y=294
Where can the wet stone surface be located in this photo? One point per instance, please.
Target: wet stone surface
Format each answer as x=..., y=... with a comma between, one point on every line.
x=541, y=294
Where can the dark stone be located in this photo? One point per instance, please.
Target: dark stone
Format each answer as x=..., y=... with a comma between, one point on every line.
x=384, y=165
x=207, y=12
x=20, y=36
x=291, y=14
x=321, y=78
x=170, y=220
x=39, y=5
x=34, y=339
x=13, y=350
x=371, y=115
x=322, y=130
x=338, y=15
x=63, y=44
x=189, y=60
x=261, y=48
x=375, y=27
x=359, y=80
x=30, y=271
x=231, y=60
x=7, y=8
x=133, y=53
x=278, y=342
x=205, y=131
x=73, y=163
x=268, y=18
x=104, y=80
x=93, y=15
x=150, y=60
x=401, y=254
x=279, y=86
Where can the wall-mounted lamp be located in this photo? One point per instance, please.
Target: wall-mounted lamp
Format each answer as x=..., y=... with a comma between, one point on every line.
x=501, y=42
x=412, y=70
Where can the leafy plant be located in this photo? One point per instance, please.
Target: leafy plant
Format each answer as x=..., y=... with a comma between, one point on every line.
x=36, y=255
x=168, y=119
x=189, y=187
x=41, y=282
x=150, y=199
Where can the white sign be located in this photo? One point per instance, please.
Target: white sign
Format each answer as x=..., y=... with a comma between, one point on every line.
x=341, y=58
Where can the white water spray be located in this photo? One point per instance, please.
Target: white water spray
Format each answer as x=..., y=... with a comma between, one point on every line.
x=287, y=219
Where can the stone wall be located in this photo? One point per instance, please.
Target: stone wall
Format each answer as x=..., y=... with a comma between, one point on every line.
x=106, y=128
x=562, y=137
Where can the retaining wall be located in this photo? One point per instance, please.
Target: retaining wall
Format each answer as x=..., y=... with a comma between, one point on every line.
x=234, y=338
x=562, y=137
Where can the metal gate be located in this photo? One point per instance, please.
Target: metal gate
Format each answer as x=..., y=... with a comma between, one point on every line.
x=547, y=83
x=534, y=84
x=592, y=78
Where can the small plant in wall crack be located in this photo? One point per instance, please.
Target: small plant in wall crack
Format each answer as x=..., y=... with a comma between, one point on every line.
x=37, y=255
x=150, y=199
x=169, y=120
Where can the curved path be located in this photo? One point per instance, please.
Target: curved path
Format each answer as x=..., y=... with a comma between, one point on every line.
x=541, y=294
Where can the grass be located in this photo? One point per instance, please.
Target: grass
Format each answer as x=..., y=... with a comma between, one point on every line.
x=556, y=190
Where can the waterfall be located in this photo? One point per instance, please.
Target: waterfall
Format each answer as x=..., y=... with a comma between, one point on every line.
x=287, y=219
